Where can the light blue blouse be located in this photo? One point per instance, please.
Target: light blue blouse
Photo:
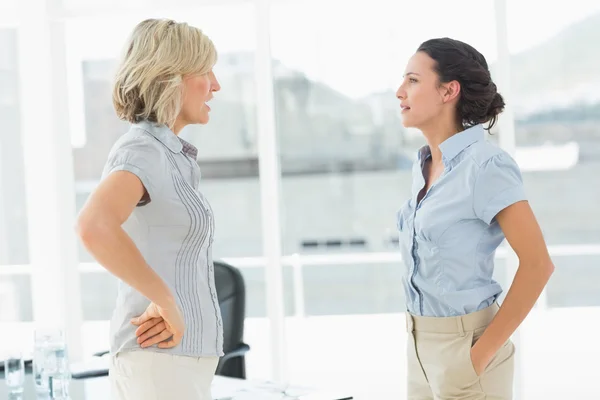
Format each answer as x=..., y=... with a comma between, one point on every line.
x=448, y=240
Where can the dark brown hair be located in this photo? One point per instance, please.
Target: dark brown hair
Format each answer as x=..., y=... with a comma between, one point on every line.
x=479, y=100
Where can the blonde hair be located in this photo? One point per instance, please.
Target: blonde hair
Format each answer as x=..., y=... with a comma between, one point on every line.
x=159, y=53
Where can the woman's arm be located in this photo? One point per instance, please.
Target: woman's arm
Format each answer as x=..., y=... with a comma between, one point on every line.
x=99, y=227
x=535, y=268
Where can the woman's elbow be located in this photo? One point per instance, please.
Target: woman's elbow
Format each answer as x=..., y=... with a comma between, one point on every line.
x=89, y=228
x=542, y=267
x=545, y=268
x=550, y=268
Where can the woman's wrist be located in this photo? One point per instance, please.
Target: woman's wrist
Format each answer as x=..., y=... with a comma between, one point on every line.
x=166, y=301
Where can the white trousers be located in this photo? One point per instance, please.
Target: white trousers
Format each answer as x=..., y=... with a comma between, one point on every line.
x=149, y=375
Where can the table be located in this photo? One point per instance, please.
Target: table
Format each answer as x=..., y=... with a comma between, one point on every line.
x=223, y=389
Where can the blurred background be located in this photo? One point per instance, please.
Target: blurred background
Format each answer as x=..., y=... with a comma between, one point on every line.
x=344, y=162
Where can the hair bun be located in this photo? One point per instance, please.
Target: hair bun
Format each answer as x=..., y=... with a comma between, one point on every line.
x=495, y=107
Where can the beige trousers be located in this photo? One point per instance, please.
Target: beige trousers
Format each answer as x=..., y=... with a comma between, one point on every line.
x=149, y=375
x=439, y=359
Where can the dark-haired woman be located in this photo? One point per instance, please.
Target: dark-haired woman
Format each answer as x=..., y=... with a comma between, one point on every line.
x=467, y=197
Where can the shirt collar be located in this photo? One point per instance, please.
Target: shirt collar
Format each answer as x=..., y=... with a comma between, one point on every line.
x=166, y=136
x=455, y=144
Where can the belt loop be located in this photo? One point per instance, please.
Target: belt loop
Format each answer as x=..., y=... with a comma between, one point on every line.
x=409, y=323
x=460, y=326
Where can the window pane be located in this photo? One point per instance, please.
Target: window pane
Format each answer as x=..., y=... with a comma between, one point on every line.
x=353, y=289
x=555, y=97
x=95, y=286
x=15, y=298
x=346, y=159
x=575, y=282
x=13, y=212
x=16, y=313
x=16, y=310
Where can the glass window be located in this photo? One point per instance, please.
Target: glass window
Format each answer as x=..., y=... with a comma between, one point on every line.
x=15, y=297
x=555, y=85
x=13, y=212
x=557, y=109
x=345, y=160
x=16, y=310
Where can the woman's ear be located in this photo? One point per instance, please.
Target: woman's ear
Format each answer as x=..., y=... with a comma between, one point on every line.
x=450, y=91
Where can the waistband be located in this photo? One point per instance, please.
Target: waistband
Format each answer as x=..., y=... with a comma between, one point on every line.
x=459, y=324
x=148, y=356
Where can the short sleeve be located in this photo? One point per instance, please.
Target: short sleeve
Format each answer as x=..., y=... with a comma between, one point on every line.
x=498, y=185
x=141, y=157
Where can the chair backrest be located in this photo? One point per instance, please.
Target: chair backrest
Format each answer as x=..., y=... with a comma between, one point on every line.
x=231, y=292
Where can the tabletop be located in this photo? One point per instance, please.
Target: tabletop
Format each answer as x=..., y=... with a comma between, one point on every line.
x=223, y=388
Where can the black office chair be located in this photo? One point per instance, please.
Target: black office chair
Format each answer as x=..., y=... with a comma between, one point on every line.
x=231, y=293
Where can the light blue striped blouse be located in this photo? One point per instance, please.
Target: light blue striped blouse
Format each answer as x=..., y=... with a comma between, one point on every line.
x=174, y=231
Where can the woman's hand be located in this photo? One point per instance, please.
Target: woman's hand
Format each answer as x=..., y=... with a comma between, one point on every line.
x=159, y=325
x=479, y=359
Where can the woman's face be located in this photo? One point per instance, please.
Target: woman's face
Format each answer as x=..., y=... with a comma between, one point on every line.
x=197, y=91
x=420, y=98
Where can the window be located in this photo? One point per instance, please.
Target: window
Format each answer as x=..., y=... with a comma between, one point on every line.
x=13, y=214
x=16, y=310
x=557, y=111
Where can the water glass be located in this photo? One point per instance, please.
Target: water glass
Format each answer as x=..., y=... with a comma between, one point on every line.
x=47, y=342
x=58, y=374
x=14, y=372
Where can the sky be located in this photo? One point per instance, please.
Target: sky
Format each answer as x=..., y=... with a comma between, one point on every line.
x=355, y=47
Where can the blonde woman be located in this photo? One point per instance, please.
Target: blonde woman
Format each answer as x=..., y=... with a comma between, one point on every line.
x=149, y=225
